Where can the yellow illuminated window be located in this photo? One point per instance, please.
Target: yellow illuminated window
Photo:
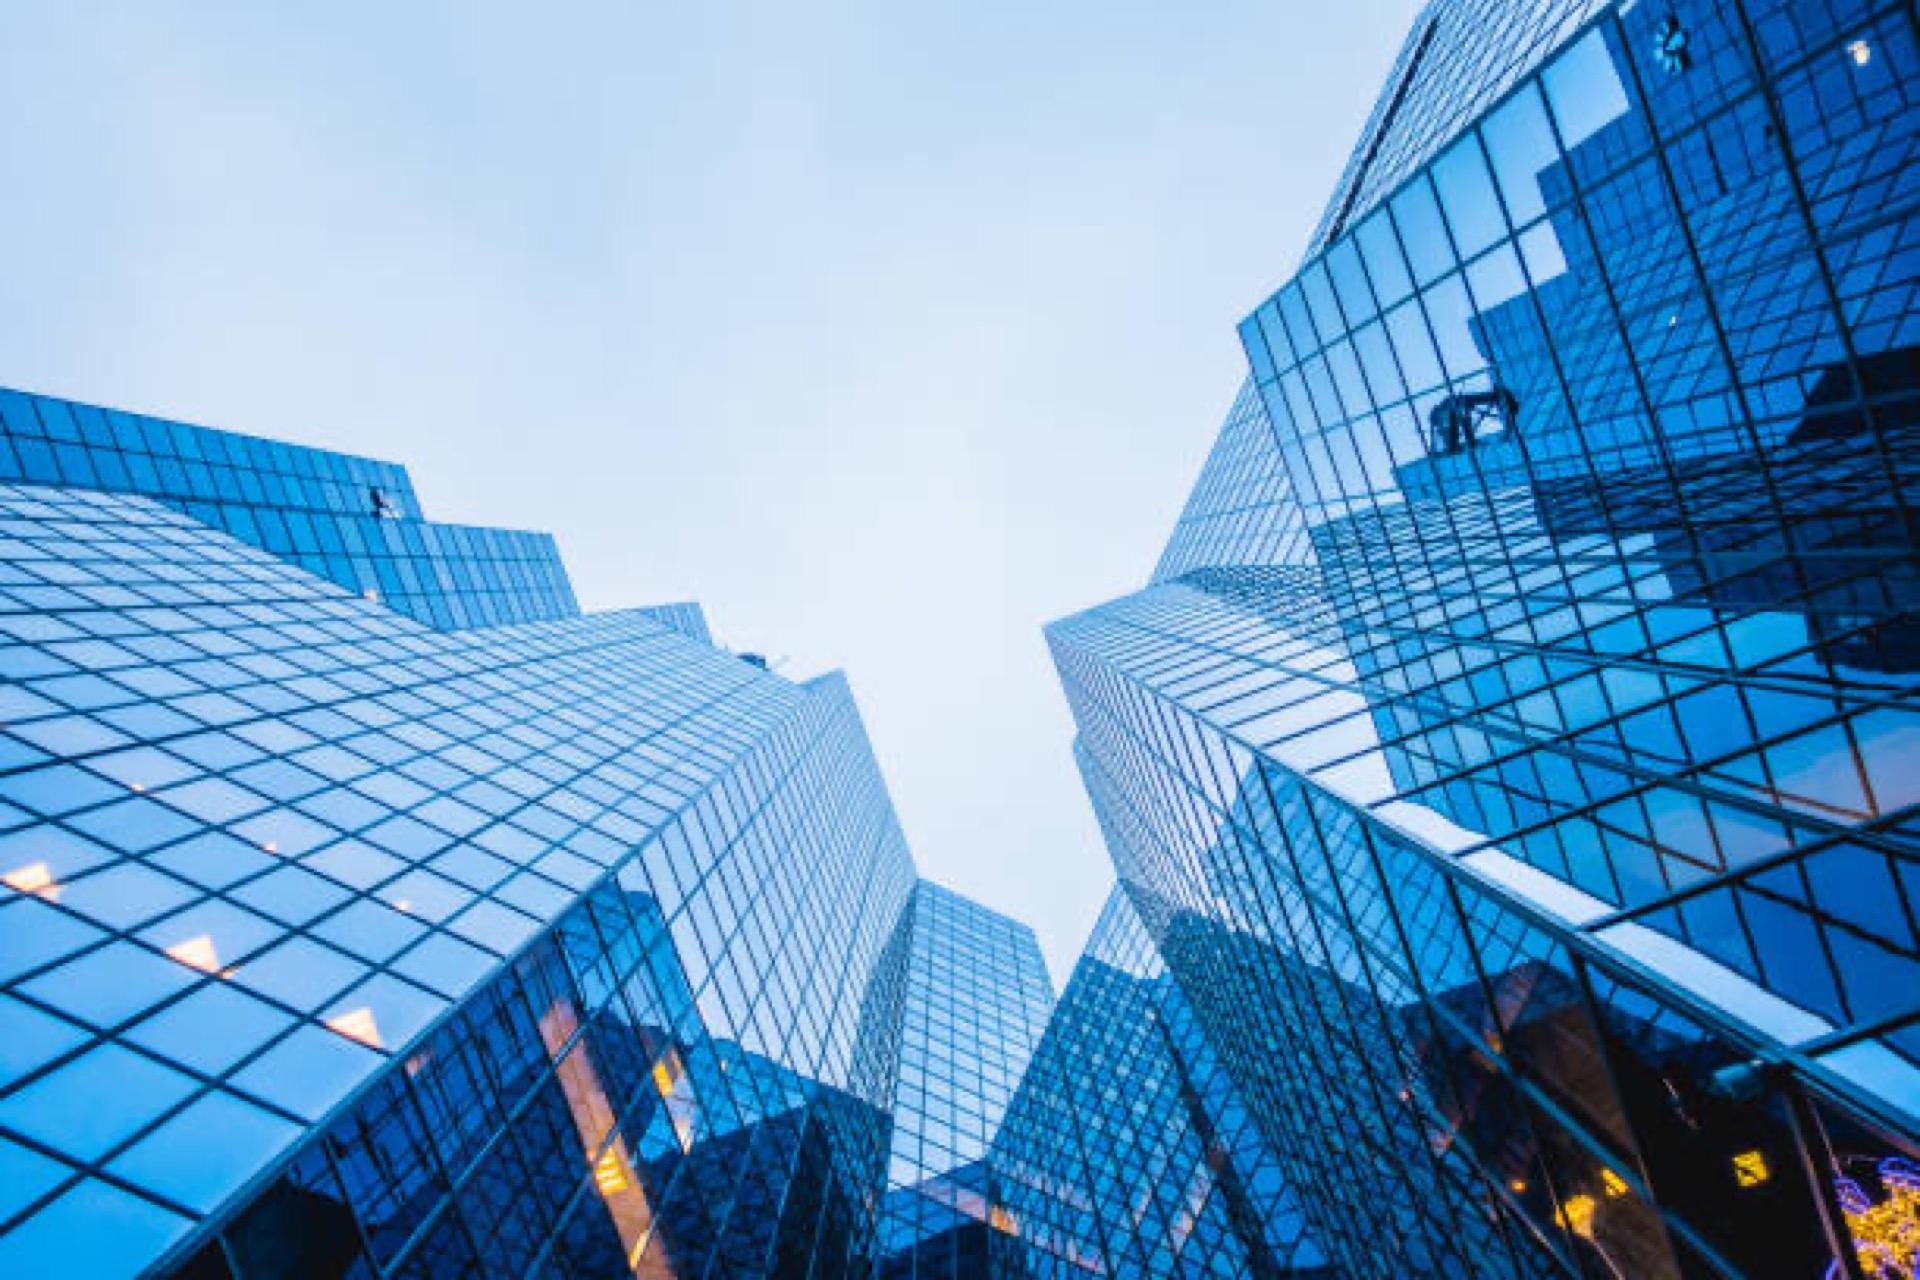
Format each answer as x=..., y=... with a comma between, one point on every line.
x=1750, y=1169
x=1613, y=1184
x=610, y=1174
x=1577, y=1215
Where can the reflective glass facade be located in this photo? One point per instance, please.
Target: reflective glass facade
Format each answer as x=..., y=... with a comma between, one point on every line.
x=340, y=940
x=1515, y=756
x=1128, y=1150
x=350, y=520
x=974, y=1000
x=1511, y=770
x=287, y=868
x=345, y=939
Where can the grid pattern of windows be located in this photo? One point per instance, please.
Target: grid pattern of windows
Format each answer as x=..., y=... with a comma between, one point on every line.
x=260, y=835
x=575, y=1118
x=1127, y=1151
x=686, y=617
x=1534, y=834
x=1461, y=56
x=571, y=947
x=1242, y=511
x=975, y=999
x=350, y=520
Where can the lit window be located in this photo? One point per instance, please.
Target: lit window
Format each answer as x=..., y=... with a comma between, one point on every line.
x=1577, y=1215
x=1861, y=52
x=357, y=1024
x=609, y=1175
x=35, y=878
x=1750, y=1169
x=196, y=953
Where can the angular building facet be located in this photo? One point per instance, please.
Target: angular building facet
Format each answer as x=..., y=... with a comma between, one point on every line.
x=1127, y=1150
x=343, y=934
x=352, y=521
x=369, y=911
x=1515, y=754
x=1511, y=768
x=974, y=1000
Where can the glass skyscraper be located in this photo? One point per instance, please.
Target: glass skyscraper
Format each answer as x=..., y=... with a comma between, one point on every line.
x=974, y=1000
x=1128, y=1150
x=1514, y=756
x=1510, y=770
x=353, y=521
x=368, y=911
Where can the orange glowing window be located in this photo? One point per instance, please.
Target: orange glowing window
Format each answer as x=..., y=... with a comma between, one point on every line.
x=1750, y=1169
x=357, y=1024
x=1613, y=1184
x=196, y=953
x=1577, y=1215
x=1003, y=1220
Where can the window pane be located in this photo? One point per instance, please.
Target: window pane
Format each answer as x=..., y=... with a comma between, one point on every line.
x=1466, y=192
x=1422, y=233
x=1496, y=278
x=1584, y=90
x=1376, y=358
x=1384, y=264
x=1452, y=316
x=1520, y=144
x=1326, y=314
x=1412, y=344
x=1293, y=309
x=1350, y=282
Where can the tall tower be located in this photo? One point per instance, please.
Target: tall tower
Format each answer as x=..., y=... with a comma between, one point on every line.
x=975, y=1000
x=1514, y=755
x=367, y=906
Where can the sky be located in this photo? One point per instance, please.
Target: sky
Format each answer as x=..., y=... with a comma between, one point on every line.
x=888, y=330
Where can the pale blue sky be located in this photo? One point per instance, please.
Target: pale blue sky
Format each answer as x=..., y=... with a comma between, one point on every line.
x=889, y=331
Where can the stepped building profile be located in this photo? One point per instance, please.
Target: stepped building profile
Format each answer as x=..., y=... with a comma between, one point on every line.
x=1511, y=774
x=369, y=910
